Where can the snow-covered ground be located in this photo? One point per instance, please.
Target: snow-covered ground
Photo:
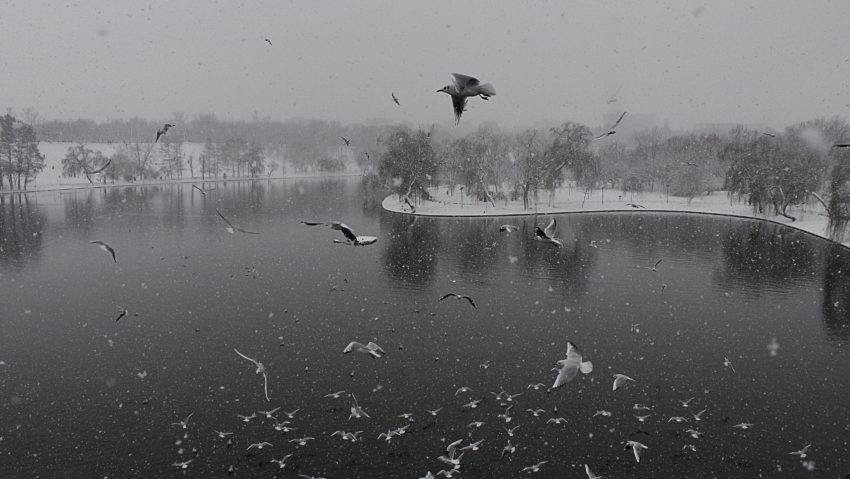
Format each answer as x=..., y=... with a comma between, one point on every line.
x=811, y=217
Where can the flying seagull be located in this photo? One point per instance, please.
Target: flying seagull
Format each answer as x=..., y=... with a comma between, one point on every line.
x=105, y=247
x=371, y=348
x=260, y=370
x=612, y=130
x=460, y=296
x=351, y=237
x=345, y=140
x=462, y=88
x=268, y=41
x=230, y=228
x=547, y=234
x=637, y=448
x=163, y=131
x=571, y=366
x=200, y=189
x=654, y=267
x=121, y=314
x=508, y=228
x=395, y=99
x=619, y=380
x=841, y=145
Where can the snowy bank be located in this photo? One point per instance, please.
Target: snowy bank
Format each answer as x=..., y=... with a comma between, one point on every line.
x=811, y=218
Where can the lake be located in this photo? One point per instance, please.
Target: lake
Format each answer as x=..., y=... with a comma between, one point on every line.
x=746, y=320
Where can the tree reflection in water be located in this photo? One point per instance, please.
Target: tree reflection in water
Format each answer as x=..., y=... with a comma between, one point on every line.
x=836, y=292
x=21, y=228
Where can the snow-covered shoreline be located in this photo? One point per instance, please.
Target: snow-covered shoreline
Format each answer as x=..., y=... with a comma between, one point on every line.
x=811, y=218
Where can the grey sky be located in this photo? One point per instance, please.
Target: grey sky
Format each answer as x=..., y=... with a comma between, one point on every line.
x=774, y=62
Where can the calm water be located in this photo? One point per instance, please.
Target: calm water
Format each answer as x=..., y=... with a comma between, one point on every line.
x=82, y=394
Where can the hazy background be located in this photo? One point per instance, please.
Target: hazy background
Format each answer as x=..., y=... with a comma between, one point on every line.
x=762, y=62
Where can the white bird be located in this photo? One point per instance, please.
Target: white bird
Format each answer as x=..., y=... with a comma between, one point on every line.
x=612, y=130
x=637, y=448
x=335, y=395
x=351, y=237
x=509, y=449
x=475, y=424
x=247, y=418
x=472, y=404
x=371, y=348
x=259, y=445
x=535, y=412
x=477, y=445
x=230, y=226
x=222, y=435
x=184, y=422
x=556, y=420
x=590, y=474
x=301, y=441
x=460, y=296
x=463, y=389
x=462, y=88
x=510, y=430
x=602, y=413
x=677, y=419
x=571, y=366
x=291, y=415
x=547, y=234
x=433, y=412
x=536, y=386
x=773, y=347
x=686, y=402
x=356, y=411
x=802, y=452
x=698, y=415
x=744, y=425
x=281, y=462
x=183, y=465
x=534, y=468
x=694, y=433
x=269, y=413
x=642, y=418
x=728, y=364
x=105, y=247
x=654, y=267
x=260, y=370
x=619, y=380
x=508, y=228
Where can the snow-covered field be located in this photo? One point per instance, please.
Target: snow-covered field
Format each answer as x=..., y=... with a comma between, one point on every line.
x=811, y=217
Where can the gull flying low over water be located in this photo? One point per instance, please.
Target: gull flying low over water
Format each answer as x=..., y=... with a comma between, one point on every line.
x=619, y=380
x=345, y=140
x=163, y=131
x=590, y=474
x=612, y=130
x=637, y=448
x=571, y=366
x=654, y=267
x=351, y=237
x=356, y=411
x=260, y=370
x=105, y=247
x=462, y=88
x=121, y=314
x=460, y=296
x=534, y=468
x=802, y=452
x=508, y=228
x=184, y=423
x=370, y=348
x=231, y=228
x=547, y=234
x=395, y=99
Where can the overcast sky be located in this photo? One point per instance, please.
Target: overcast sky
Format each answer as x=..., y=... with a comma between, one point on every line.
x=774, y=62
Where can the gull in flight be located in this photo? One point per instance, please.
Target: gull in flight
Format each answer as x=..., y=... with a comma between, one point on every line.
x=508, y=228
x=744, y=425
x=475, y=424
x=642, y=418
x=462, y=88
x=260, y=370
x=230, y=227
x=349, y=234
x=247, y=418
x=268, y=41
x=281, y=462
x=463, y=389
x=728, y=364
x=434, y=412
x=269, y=414
x=686, y=402
x=183, y=465
x=654, y=267
x=509, y=449
x=571, y=366
x=547, y=234
x=163, y=131
x=590, y=474
x=222, y=435
x=204, y=193
x=123, y=312
x=556, y=420
x=259, y=445
x=370, y=348
x=619, y=380
x=345, y=140
x=105, y=247
x=637, y=448
x=841, y=145
x=698, y=415
x=184, y=422
x=802, y=452
x=534, y=468
x=477, y=445
x=335, y=395
x=356, y=411
x=459, y=296
x=395, y=99
x=612, y=130
x=536, y=386
x=635, y=205
x=302, y=441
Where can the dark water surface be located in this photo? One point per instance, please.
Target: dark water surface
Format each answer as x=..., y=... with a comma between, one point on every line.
x=84, y=395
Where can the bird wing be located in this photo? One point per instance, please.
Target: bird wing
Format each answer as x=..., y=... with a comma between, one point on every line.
x=374, y=347
x=462, y=81
x=346, y=231
x=447, y=295
x=266, y=386
x=470, y=301
x=658, y=262
x=246, y=231
x=603, y=135
x=315, y=223
x=365, y=240
x=225, y=219
x=395, y=99
x=549, y=231
x=459, y=103
x=349, y=348
x=200, y=189
x=569, y=366
x=618, y=121
x=245, y=357
x=158, y=134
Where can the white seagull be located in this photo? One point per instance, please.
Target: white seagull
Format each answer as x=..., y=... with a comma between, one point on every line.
x=371, y=348
x=637, y=448
x=462, y=88
x=619, y=380
x=508, y=228
x=184, y=422
x=590, y=474
x=351, y=237
x=547, y=234
x=612, y=130
x=571, y=366
x=260, y=370
x=460, y=296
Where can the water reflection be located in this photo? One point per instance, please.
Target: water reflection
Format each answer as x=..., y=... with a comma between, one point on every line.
x=21, y=230
x=410, y=257
x=836, y=292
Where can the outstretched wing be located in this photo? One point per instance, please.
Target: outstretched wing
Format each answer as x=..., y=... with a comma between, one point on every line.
x=459, y=103
x=462, y=81
x=550, y=229
x=618, y=121
x=225, y=219
x=470, y=301
x=245, y=357
x=101, y=168
x=447, y=295
x=315, y=223
x=346, y=231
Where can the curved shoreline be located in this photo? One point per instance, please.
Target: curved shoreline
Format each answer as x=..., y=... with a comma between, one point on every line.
x=809, y=221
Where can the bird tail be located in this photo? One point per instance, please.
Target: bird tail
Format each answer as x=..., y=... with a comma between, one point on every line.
x=487, y=89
